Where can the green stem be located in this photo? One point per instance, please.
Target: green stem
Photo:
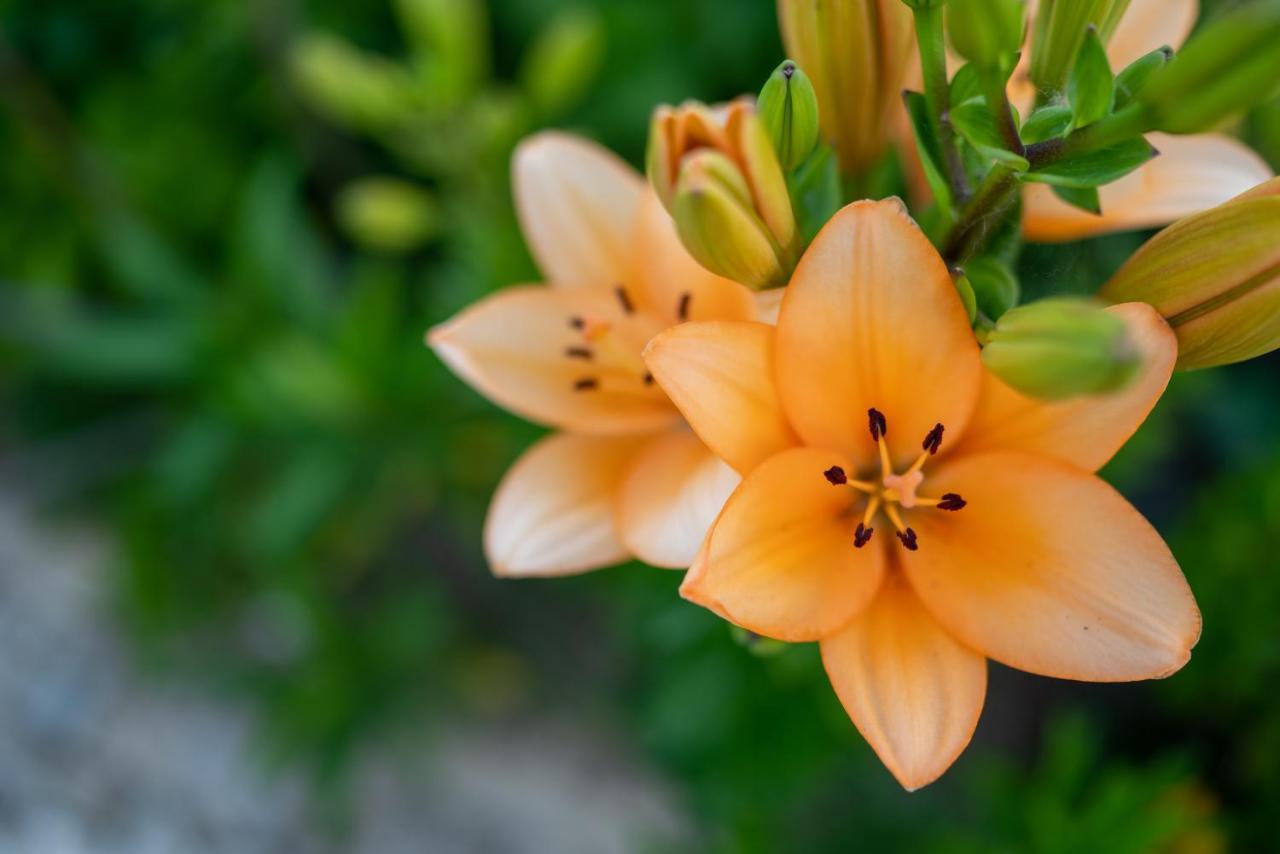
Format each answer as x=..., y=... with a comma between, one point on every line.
x=937, y=96
x=993, y=84
x=993, y=197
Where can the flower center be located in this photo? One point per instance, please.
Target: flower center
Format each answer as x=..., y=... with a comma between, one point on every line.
x=611, y=345
x=895, y=491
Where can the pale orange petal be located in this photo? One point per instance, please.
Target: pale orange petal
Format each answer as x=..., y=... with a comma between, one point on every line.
x=1191, y=174
x=719, y=374
x=577, y=204
x=1049, y=570
x=1151, y=24
x=553, y=513
x=512, y=346
x=1086, y=431
x=913, y=691
x=781, y=560
x=671, y=284
x=871, y=319
x=670, y=497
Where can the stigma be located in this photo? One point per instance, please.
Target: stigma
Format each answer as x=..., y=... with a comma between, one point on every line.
x=894, y=492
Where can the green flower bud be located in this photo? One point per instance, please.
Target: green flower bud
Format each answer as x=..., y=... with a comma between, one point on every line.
x=987, y=32
x=360, y=90
x=1215, y=277
x=1059, y=348
x=450, y=42
x=1060, y=29
x=388, y=214
x=995, y=287
x=560, y=65
x=716, y=222
x=1226, y=68
x=788, y=108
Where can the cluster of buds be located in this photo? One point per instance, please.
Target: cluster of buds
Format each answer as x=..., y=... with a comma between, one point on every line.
x=717, y=172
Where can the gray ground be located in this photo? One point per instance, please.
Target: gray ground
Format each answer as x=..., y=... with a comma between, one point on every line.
x=97, y=758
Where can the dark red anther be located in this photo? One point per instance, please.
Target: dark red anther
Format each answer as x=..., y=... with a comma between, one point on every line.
x=933, y=441
x=627, y=307
x=908, y=538
x=836, y=476
x=648, y=379
x=951, y=501
x=577, y=323
x=586, y=384
x=879, y=427
x=862, y=535
x=682, y=310
x=579, y=353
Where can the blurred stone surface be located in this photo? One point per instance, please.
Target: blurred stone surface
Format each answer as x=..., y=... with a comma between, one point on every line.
x=98, y=758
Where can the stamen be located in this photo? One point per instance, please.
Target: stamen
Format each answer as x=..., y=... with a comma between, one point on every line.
x=648, y=379
x=879, y=427
x=627, y=307
x=836, y=476
x=862, y=535
x=586, y=384
x=934, y=440
x=951, y=501
x=579, y=353
x=577, y=323
x=908, y=538
x=873, y=504
x=682, y=310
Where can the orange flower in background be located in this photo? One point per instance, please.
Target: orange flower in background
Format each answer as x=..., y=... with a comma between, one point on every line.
x=909, y=511
x=1191, y=174
x=627, y=477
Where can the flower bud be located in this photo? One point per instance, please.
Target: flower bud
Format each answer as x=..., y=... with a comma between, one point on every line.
x=788, y=110
x=856, y=53
x=736, y=133
x=360, y=90
x=716, y=222
x=1059, y=348
x=1215, y=277
x=987, y=32
x=387, y=214
x=1229, y=66
x=1060, y=28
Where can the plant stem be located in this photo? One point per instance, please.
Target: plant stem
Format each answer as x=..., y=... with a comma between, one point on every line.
x=993, y=197
x=937, y=95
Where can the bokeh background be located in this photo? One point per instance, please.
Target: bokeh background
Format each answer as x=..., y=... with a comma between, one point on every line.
x=242, y=601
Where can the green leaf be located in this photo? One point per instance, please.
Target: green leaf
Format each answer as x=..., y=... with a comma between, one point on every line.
x=930, y=151
x=1085, y=198
x=995, y=287
x=1135, y=75
x=1095, y=168
x=815, y=191
x=966, y=85
x=1048, y=122
x=974, y=122
x=1091, y=87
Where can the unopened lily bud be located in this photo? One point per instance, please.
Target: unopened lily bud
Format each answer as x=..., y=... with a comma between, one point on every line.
x=735, y=132
x=1215, y=277
x=788, y=110
x=856, y=54
x=1226, y=68
x=359, y=90
x=388, y=214
x=988, y=33
x=1059, y=348
x=1060, y=28
x=717, y=224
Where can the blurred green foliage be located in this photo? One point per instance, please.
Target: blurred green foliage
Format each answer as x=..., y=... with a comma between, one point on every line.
x=226, y=227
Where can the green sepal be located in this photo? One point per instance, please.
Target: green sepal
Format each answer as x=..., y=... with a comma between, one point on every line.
x=1095, y=168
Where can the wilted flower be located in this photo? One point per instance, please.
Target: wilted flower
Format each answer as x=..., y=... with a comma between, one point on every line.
x=628, y=477
x=911, y=512
x=1215, y=277
x=1190, y=174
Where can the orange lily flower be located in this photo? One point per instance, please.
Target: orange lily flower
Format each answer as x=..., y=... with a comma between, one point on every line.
x=908, y=510
x=1191, y=174
x=627, y=478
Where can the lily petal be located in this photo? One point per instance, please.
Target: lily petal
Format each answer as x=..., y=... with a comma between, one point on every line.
x=1150, y=24
x=780, y=560
x=670, y=498
x=577, y=203
x=671, y=284
x=871, y=319
x=1084, y=431
x=553, y=513
x=1049, y=570
x=1192, y=174
x=719, y=374
x=913, y=691
x=512, y=346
